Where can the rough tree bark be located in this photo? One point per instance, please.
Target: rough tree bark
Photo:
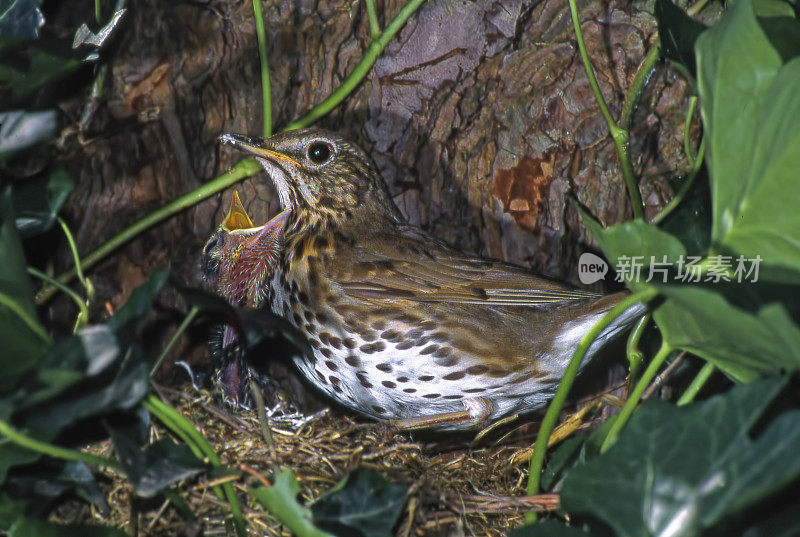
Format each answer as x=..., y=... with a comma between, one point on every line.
x=479, y=115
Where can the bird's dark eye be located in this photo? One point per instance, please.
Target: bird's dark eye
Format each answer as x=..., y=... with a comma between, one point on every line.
x=319, y=152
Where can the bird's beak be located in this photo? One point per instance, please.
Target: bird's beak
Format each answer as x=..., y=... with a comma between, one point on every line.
x=258, y=147
x=237, y=217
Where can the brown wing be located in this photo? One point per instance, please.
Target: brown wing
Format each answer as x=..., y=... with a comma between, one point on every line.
x=418, y=268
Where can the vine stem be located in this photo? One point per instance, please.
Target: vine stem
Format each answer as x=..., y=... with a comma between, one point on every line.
x=360, y=72
x=266, y=88
x=372, y=16
x=554, y=409
x=635, y=396
x=58, y=452
x=174, y=339
x=620, y=136
x=697, y=384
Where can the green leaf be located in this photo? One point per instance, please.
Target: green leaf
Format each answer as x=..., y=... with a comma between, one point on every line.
x=27, y=527
x=20, y=330
x=158, y=466
x=672, y=473
x=20, y=129
x=749, y=101
x=281, y=500
x=129, y=318
x=40, y=64
x=11, y=509
x=20, y=19
x=38, y=202
x=363, y=504
x=678, y=34
x=743, y=345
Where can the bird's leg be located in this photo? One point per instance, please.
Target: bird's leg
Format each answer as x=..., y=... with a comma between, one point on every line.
x=476, y=411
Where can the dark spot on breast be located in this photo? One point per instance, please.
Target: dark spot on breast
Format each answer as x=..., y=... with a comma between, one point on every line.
x=453, y=397
x=447, y=361
x=426, y=378
x=455, y=375
x=297, y=319
x=368, y=335
x=379, y=409
x=403, y=345
x=362, y=378
x=475, y=390
x=331, y=365
x=497, y=373
x=380, y=324
x=350, y=343
x=522, y=378
x=386, y=368
x=314, y=343
x=415, y=333
x=432, y=395
x=442, y=352
x=390, y=335
x=429, y=349
x=326, y=352
x=389, y=384
x=335, y=342
x=409, y=390
x=320, y=376
x=441, y=337
x=353, y=360
x=334, y=380
x=322, y=319
x=370, y=348
x=310, y=328
x=477, y=369
x=303, y=298
x=427, y=325
x=332, y=299
x=299, y=247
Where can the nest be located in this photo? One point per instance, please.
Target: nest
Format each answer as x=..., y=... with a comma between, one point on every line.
x=458, y=485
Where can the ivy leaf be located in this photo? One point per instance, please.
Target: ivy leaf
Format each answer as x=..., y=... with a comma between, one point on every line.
x=672, y=473
x=363, y=504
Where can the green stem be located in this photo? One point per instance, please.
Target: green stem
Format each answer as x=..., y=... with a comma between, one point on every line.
x=554, y=409
x=697, y=384
x=243, y=169
x=632, y=350
x=29, y=320
x=619, y=135
x=83, y=310
x=367, y=61
x=76, y=258
x=266, y=92
x=637, y=87
x=374, y=25
x=675, y=201
x=635, y=396
x=174, y=339
x=97, y=14
x=201, y=448
x=687, y=124
x=58, y=452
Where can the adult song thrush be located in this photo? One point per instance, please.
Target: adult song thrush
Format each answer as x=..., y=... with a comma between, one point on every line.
x=402, y=326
